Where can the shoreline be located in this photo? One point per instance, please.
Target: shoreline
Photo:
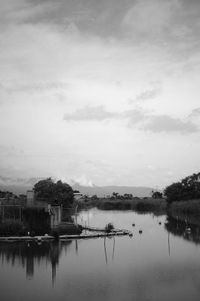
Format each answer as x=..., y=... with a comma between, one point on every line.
x=181, y=210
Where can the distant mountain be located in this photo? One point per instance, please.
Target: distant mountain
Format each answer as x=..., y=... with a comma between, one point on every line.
x=16, y=189
x=21, y=185
x=108, y=190
x=17, y=185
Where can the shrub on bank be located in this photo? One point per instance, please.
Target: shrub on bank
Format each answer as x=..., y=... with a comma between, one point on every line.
x=12, y=229
x=109, y=227
x=66, y=229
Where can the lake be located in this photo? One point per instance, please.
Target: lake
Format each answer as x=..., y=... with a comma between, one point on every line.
x=161, y=263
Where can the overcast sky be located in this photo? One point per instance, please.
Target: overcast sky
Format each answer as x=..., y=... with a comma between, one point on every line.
x=100, y=91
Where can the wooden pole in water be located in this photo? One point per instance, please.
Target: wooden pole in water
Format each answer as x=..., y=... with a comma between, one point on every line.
x=105, y=251
x=88, y=218
x=76, y=246
x=169, y=250
x=113, y=253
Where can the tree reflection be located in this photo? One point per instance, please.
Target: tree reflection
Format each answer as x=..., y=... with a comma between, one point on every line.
x=184, y=226
x=27, y=254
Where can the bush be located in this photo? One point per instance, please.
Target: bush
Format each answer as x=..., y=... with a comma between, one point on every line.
x=109, y=227
x=12, y=229
x=66, y=229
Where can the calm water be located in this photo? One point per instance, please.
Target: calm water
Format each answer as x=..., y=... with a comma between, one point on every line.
x=155, y=265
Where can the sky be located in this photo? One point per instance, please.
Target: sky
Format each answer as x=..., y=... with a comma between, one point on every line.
x=100, y=92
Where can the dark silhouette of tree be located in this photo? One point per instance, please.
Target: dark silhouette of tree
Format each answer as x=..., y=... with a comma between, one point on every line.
x=49, y=191
x=187, y=189
x=157, y=194
x=128, y=196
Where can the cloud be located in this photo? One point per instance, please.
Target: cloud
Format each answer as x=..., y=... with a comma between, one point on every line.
x=152, y=18
x=82, y=180
x=138, y=118
x=159, y=123
x=47, y=45
x=87, y=113
x=134, y=116
x=167, y=124
x=33, y=87
x=8, y=181
x=101, y=18
x=195, y=113
x=147, y=95
x=10, y=151
x=171, y=25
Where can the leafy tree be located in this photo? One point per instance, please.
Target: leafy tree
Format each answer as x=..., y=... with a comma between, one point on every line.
x=49, y=191
x=128, y=196
x=157, y=195
x=115, y=195
x=187, y=189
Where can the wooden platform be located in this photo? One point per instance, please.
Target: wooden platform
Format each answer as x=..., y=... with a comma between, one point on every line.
x=64, y=237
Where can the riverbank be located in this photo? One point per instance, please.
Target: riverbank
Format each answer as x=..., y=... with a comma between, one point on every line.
x=186, y=211
x=159, y=206
x=136, y=204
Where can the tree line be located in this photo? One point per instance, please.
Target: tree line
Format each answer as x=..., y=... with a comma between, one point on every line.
x=59, y=192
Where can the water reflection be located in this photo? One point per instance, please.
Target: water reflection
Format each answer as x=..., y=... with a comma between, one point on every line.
x=107, y=258
x=117, y=269
x=181, y=226
x=27, y=254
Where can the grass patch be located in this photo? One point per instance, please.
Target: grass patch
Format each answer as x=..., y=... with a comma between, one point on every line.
x=191, y=207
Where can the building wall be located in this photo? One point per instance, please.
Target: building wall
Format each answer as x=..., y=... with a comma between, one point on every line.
x=78, y=196
x=30, y=198
x=56, y=214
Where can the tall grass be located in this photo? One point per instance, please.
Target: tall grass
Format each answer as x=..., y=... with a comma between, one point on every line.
x=137, y=204
x=191, y=207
